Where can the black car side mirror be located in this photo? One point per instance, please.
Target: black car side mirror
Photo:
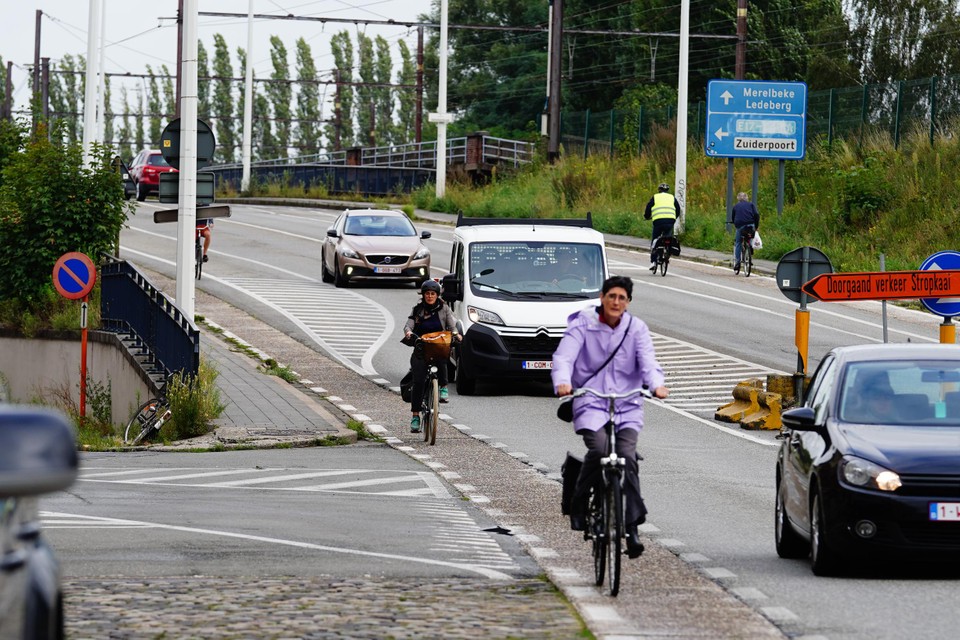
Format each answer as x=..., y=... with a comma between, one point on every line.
x=800, y=419
x=38, y=452
x=451, y=287
x=425, y=234
x=332, y=233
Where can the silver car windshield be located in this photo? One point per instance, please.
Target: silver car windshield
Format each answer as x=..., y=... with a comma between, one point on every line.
x=378, y=226
x=540, y=269
x=902, y=393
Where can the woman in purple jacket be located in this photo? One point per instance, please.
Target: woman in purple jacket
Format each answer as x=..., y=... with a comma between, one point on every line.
x=590, y=338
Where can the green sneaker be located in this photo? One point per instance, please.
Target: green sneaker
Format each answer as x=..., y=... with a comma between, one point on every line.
x=444, y=394
x=415, y=424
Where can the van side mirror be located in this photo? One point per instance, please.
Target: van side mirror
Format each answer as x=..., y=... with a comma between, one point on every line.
x=38, y=452
x=452, y=288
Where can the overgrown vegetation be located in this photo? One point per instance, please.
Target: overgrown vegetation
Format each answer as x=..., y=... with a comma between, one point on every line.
x=853, y=202
x=362, y=432
x=194, y=403
x=273, y=368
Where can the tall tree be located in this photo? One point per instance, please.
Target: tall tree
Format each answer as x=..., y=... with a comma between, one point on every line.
x=169, y=94
x=139, y=141
x=203, y=86
x=406, y=97
x=241, y=105
x=125, y=132
x=263, y=138
x=280, y=93
x=223, y=103
x=154, y=108
x=383, y=94
x=108, y=114
x=366, y=92
x=308, y=101
x=65, y=92
x=340, y=129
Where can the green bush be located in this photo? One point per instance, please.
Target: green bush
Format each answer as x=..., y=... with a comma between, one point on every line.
x=194, y=404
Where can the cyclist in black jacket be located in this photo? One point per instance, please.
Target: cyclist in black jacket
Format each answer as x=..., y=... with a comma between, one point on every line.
x=745, y=215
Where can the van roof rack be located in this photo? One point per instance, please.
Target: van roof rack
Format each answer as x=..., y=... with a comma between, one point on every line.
x=463, y=221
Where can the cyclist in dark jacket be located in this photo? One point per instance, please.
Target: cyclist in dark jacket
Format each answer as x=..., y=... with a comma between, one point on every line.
x=429, y=315
x=745, y=215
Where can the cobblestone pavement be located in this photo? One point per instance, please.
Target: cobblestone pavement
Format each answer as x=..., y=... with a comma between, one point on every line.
x=205, y=608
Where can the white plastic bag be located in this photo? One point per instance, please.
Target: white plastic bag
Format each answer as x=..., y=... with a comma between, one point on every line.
x=756, y=243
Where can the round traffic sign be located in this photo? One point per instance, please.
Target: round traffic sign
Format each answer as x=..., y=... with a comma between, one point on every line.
x=170, y=144
x=946, y=307
x=790, y=271
x=74, y=275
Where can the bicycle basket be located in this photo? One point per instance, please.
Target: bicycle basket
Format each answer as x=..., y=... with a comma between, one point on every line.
x=436, y=345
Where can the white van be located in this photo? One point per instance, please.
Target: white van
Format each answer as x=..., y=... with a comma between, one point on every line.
x=512, y=284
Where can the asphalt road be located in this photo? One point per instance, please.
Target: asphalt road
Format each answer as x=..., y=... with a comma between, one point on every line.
x=709, y=487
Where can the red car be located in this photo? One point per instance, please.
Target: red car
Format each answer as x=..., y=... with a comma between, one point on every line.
x=145, y=171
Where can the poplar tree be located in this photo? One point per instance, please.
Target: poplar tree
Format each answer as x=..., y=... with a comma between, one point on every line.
x=65, y=95
x=308, y=101
x=154, y=108
x=366, y=94
x=223, y=101
x=262, y=132
x=383, y=95
x=138, y=123
x=406, y=98
x=339, y=130
x=280, y=94
x=203, y=85
x=125, y=133
x=169, y=94
x=108, y=114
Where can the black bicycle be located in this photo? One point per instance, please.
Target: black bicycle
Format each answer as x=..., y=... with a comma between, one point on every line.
x=198, y=249
x=435, y=348
x=663, y=248
x=605, y=507
x=746, y=251
x=149, y=417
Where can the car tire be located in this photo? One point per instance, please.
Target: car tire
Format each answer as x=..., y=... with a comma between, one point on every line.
x=824, y=559
x=141, y=193
x=339, y=280
x=325, y=275
x=788, y=542
x=466, y=385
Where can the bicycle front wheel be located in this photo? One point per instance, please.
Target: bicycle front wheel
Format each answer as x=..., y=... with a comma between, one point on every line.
x=141, y=424
x=663, y=264
x=598, y=530
x=434, y=410
x=614, y=520
x=199, y=257
x=748, y=260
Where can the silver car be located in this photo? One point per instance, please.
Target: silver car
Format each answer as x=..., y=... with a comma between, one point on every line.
x=38, y=455
x=374, y=244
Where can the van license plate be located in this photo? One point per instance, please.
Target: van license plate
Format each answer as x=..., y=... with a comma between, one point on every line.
x=538, y=364
x=386, y=269
x=945, y=511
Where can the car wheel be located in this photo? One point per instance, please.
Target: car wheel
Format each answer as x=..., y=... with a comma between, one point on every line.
x=823, y=558
x=466, y=385
x=788, y=541
x=339, y=280
x=141, y=193
x=325, y=275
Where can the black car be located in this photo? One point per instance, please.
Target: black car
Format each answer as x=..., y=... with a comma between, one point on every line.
x=38, y=455
x=869, y=466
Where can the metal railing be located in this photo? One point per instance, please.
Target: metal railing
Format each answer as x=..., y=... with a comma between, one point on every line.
x=163, y=340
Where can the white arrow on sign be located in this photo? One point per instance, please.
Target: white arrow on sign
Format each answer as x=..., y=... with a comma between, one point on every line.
x=936, y=267
x=727, y=97
x=720, y=133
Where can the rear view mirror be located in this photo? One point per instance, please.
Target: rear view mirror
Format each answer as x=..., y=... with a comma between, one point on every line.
x=38, y=453
x=946, y=375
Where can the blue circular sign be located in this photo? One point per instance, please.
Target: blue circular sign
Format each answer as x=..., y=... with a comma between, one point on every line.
x=74, y=275
x=942, y=260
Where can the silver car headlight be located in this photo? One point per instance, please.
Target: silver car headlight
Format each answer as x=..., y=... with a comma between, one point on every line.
x=423, y=253
x=481, y=315
x=863, y=473
x=349, y=253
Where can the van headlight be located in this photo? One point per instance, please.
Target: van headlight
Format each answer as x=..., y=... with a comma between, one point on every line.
x=863, y=473
x=483, y=316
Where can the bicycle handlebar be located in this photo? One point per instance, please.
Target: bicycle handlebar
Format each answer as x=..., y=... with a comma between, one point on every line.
x=643, y=391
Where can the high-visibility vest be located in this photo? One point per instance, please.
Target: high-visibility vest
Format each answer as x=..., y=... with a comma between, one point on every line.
x=663, y=207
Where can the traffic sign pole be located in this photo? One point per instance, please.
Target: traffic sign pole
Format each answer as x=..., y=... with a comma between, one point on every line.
x=948, y=331
x=83, y=360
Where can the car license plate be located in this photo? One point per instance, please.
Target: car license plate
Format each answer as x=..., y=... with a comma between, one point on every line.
x=538, y=364
x=945, y=511
x=386, y=269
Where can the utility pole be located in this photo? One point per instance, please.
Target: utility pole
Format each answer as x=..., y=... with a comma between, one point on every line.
x=45, y=92
x=187, y=206
x=441, y=117
x=337, y=117
x=680, y=180
x=35, y=89
x=418, y=119
x=556, y=40
x=180, y=54
x=7, y=93
x=247, y=104
x=740, y=70
x=90, y=95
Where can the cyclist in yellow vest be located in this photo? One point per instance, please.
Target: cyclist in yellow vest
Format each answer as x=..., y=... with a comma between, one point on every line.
x=664, y=210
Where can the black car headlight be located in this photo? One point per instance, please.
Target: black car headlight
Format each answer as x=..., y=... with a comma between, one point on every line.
x=866, y=474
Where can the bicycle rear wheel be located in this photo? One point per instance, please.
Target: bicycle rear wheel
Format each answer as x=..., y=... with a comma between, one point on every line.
x=748, y=260
x=434, y=410
x=141, y=424
x=664, y=263
x=598, y=529
x=614, y=531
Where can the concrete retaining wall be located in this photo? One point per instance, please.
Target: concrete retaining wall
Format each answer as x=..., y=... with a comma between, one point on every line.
x=42, y=368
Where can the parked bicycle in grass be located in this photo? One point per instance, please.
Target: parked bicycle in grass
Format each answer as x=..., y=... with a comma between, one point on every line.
x=149, y=417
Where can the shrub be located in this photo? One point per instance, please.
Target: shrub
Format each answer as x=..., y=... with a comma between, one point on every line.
x=194, y=403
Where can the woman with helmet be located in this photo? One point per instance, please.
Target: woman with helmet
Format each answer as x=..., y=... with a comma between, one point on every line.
x=664, y=210
x=429, y=315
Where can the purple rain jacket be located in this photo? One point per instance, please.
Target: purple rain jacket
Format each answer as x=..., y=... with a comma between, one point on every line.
x=586, y=345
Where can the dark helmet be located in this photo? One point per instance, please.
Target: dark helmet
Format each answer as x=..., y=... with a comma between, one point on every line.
x=664, y=187
x=430, y=285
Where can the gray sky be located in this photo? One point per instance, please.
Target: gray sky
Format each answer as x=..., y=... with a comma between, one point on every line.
x=141, y=32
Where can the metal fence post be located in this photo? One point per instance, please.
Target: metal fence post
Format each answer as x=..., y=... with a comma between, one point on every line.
x=896, y=122
x=586, y=132
x=863, y=112
x=640, y=131
x=830, y=120
x=933, y=108
x=613, y=115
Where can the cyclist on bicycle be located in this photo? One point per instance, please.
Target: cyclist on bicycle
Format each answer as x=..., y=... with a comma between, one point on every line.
x=429, y=315
x=204, y=225
x=746, y=219
x=664, y=210
x=592, y=335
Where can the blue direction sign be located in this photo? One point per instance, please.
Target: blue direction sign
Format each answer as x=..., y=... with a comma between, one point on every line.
x=946, y=307
x=74, y=275
x=756, y=119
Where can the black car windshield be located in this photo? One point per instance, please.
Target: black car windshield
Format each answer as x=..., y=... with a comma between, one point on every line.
x=378, y=226
x=901, y=393
x=536, y=269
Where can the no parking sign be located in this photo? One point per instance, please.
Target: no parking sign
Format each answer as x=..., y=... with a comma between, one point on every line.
x=74, y=275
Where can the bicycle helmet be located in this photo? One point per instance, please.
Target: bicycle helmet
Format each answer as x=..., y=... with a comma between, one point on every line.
x=664, y=187
x=430, y=285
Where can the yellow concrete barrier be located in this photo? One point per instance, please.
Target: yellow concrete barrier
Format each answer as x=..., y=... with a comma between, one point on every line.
x=752, y=407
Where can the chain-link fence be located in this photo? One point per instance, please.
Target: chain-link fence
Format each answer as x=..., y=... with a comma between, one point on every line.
x=930, y=106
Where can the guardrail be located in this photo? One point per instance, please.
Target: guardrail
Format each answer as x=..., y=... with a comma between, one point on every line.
x=160, y=337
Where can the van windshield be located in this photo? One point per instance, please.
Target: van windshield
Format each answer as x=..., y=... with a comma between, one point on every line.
x=561, y=270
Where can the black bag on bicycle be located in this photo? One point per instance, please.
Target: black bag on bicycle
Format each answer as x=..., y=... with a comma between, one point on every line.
x=565, y=411
x=406, y=386
x=570, y=471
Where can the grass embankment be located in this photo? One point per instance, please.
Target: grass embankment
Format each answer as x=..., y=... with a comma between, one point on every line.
x=853, y=202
